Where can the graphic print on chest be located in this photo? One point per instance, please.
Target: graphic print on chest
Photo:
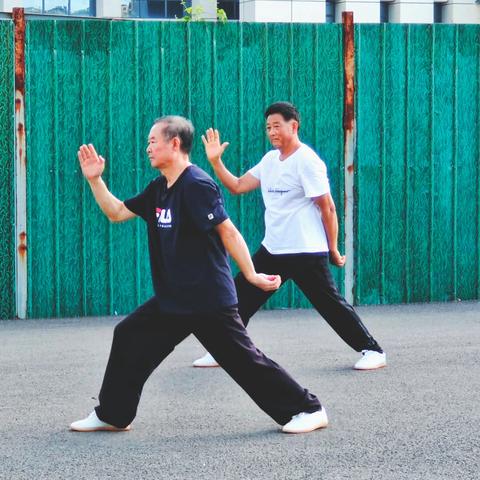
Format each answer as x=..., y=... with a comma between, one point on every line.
x=164, y=217
x=280, y=182
x=277, y=190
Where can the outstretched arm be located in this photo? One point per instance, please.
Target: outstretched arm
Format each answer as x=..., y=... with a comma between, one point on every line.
x=92, y=166
x=237, y=248
x=214, y=151
x=330, y=222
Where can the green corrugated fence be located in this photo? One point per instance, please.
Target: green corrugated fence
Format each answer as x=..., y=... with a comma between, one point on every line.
x=417, y=178
x=7, y=236
x=418, y=152
x=105, y=83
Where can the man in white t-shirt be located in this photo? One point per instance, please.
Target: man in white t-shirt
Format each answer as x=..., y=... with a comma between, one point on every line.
x=301, y=230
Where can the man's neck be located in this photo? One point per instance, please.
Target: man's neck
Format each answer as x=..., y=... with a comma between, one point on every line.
x=292, y=147
x=175, y=169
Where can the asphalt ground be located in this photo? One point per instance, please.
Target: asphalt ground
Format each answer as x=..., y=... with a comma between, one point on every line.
x=416, y=419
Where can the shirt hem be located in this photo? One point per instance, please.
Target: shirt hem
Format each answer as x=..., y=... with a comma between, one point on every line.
x=282, y=251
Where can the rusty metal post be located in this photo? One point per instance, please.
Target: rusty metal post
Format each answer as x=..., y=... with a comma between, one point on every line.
x=20, y=166
x=349, y=133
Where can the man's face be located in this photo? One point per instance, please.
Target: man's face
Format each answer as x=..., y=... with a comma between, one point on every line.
x=161, y=152
x=280, y=131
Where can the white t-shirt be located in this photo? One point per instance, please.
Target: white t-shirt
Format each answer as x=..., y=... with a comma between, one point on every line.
x=293, y=223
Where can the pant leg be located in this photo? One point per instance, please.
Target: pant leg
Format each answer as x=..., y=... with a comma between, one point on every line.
x=251, y=298
x=267, y=383
x=140, y=342
x=312, y=274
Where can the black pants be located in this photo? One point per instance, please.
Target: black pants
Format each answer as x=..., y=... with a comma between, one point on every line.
x=312, y=275
x=144, y=338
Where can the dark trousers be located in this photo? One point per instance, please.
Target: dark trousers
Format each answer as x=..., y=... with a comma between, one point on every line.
x=144, y=338
x=312, y=275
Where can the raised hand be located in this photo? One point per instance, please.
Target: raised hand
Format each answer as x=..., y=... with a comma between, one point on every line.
x=213, y=148
x=91, y=163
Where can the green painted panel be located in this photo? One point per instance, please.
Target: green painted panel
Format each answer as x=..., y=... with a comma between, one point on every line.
x=394, y=160
x=279, y=69
x=202, y=108
x=328, y=132
x=123, y=161
x=175, y=69
x=252, y=127
x=420, y=98
x=304, y=71
x=96, y=130
x=68, y=179
x=467, y=163
x=227, y=86
x=369, y=48
x=7, y=188
x=42, y=174
x=441, y=242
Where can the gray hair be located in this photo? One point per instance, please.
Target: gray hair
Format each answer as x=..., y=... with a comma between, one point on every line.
x=177, y=126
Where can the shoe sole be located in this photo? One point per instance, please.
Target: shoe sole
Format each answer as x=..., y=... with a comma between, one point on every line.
x=101, y=429
x=372, y=368
x=306, y=430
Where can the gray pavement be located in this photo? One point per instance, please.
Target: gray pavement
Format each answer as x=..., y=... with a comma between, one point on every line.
x=416, y=419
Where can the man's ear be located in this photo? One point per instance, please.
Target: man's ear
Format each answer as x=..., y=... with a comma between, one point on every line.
x=295, y=126
x=176, y=143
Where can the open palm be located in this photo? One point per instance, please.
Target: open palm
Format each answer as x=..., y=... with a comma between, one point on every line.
x=213, y=148
x=91, y=163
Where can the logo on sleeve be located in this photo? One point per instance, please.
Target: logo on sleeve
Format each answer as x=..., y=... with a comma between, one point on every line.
x=210, y=216
x=164, y=217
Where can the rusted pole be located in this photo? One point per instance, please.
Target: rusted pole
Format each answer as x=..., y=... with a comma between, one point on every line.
x=349, y=149
x=20, y=166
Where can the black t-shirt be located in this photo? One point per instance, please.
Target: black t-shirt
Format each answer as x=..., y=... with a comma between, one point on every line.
x=190, y=269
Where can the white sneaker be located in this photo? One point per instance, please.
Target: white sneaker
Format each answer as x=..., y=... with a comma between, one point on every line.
x=371, y=360
x=306, y=422
x=206, y=361
x=93, y=424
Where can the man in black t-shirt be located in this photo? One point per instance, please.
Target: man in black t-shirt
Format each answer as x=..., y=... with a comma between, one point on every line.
x=189, y=235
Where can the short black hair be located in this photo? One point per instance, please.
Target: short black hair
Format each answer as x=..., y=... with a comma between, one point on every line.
x=177, y=126
x=287, y=110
